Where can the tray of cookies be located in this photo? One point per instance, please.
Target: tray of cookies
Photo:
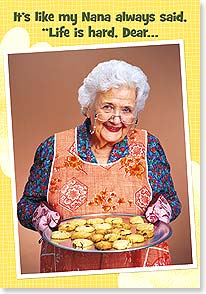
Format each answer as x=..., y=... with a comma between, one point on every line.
x=108, y=233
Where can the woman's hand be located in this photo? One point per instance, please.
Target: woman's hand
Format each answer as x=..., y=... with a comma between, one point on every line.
x=45, y=219
x=158, y=209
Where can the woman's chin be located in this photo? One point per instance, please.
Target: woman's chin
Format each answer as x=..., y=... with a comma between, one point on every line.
x=113, y=138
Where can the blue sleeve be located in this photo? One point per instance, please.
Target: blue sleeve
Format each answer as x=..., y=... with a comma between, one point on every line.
x=36, y=187
x=159, y=175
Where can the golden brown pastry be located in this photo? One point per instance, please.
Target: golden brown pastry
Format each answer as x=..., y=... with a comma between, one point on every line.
x=136, y=220
x=82, y=244
x=96, y=237
x=125, y=232
x=103, y=245
x=122, y=244
x=126, y=226
x=146, y=229
x=60, y=235
x=97, y=220
x=78, y=222
x=68, y=227
x=113, y=220
x=112, y=237
x=145, y=226
x=104, y=226
x=135, y=238
x=80, y=235
x=85, y=228
x=148, y=234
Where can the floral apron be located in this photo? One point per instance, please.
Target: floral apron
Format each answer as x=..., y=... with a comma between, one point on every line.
x=79, y=188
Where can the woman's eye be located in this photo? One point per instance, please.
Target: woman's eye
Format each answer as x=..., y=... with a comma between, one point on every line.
x=126, y=110
x=107, y=107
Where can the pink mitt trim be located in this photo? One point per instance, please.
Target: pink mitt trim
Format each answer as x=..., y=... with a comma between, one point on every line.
x=159, y=210
x=44, y=217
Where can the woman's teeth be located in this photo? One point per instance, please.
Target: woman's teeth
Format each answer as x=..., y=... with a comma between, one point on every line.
x=112, y=129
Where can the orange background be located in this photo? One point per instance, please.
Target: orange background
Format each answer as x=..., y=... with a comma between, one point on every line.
x=43, y=90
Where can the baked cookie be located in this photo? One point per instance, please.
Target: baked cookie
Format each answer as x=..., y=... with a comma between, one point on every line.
x=146, y=229
x=78, y=221
x=136, y=220
x=117, y=226
x=82, y=244
x=60, y=235
x=101, y=231
x=125, y=232
x=104, y=226
x=67, y=227
x=85, y=228
x=113, y=220
x=135, y=238
x=122, y=244
x=80, y=235
x=114, y=230
x=148, y=234
x=112, y=237
x=126, y=226
x=103, y=245
x=144, y=226
x=97, y=220
x=96, y=237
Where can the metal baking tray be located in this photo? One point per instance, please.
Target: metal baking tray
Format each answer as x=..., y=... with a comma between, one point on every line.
x=162, y=232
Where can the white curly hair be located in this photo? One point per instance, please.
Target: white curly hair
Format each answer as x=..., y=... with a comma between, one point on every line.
x=113, y=74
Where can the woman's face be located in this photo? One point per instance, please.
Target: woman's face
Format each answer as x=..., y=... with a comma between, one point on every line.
x=115, y=107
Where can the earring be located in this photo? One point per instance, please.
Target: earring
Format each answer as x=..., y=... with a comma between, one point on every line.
x=94, y=127
x=135, y=124
x=92, y=131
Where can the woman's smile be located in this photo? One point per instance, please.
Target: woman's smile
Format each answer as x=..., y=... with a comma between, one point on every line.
x=112, y=128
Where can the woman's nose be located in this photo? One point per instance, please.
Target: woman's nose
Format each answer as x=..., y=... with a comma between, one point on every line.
x=116, y=119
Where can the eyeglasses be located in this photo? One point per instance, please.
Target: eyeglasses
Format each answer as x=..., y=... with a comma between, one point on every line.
x=126, y=118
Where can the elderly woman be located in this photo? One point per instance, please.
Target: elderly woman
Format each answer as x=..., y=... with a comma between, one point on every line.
x=106, y=165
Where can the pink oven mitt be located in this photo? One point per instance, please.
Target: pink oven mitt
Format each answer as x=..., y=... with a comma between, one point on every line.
x=158, y=209
x=44, y=219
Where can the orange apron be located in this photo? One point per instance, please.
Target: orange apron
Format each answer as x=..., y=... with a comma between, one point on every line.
x=77, y=188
